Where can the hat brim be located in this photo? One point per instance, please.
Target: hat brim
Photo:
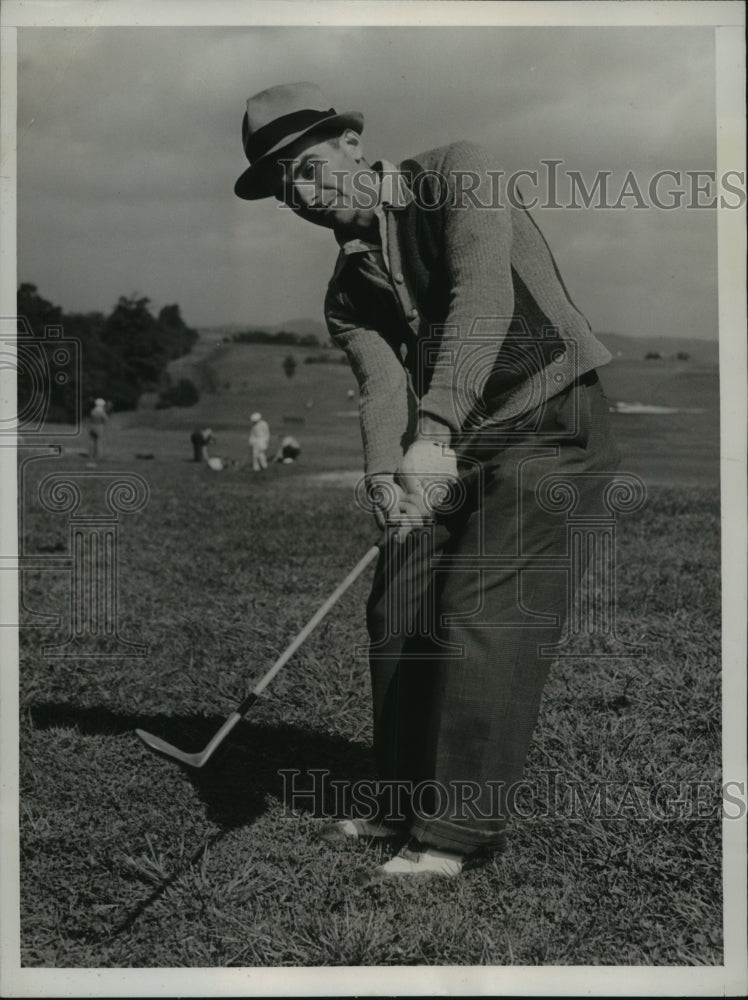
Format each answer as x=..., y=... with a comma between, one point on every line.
x=250, y=185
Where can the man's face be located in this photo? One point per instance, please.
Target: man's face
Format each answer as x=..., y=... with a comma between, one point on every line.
x=328, y=183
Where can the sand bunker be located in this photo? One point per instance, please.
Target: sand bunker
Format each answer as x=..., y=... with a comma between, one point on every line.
x=649, y=408
x=342, y=477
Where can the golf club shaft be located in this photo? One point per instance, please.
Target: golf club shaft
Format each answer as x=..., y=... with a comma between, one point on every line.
x=286, y=655
x=202, y=757
x=308, y=628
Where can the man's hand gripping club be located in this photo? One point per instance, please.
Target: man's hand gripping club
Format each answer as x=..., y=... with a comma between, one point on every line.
x=409, y=498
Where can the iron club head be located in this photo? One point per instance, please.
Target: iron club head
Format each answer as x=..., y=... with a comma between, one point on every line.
x=194, y=759
x=161, y=746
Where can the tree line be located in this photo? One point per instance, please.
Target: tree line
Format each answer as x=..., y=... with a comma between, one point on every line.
x=122, y=355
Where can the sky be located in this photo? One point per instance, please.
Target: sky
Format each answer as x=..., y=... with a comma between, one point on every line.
x=129, y=144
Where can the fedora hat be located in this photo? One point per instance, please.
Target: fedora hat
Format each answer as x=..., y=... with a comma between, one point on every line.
x=278, y=116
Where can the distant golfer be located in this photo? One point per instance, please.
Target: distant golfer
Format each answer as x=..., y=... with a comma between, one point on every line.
x=479, y=405
x=201, y=438
x=289, y=450
x=259, y=439
x=98, y=419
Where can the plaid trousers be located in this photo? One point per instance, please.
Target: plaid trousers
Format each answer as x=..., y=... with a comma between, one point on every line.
x=455, y=633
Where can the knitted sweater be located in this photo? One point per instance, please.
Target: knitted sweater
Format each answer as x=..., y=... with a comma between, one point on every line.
x=476, y=328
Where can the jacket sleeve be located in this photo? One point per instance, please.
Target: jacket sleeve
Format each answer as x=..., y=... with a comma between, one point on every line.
x=476, y=245
x=387, y=408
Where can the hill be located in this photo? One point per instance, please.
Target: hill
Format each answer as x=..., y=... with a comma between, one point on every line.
x=620, y=345
x=303, y=326
x=679, y=446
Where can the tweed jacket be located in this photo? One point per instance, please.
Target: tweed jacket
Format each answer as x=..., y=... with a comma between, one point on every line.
x=476, y=327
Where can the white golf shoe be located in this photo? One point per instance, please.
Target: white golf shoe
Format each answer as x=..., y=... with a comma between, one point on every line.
x=420, y=861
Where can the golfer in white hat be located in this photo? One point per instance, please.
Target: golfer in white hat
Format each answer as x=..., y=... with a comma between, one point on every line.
x=97, y=422
x=259, y=439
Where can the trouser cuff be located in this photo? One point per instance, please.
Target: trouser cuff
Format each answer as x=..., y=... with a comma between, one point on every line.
x=454, y=837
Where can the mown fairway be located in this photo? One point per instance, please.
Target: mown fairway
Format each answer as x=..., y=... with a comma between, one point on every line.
x=129, y=860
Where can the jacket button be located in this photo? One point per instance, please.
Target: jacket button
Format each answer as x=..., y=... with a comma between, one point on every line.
x=398, y=278
x=412, y=314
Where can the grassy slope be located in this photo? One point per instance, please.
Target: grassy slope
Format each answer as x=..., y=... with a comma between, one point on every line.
x=129, y=861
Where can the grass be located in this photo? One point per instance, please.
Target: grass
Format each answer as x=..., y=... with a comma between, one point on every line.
x=131, y=861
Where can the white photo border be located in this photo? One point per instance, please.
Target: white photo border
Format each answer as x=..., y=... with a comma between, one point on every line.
x=727, y=18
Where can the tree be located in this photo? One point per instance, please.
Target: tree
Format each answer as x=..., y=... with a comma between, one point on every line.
x=47, y=383
x=176, y=337
x=36, y=310
x=182, y=393
x=144, y=344
x=289, y=365
x=119, y=356
x=131, y=331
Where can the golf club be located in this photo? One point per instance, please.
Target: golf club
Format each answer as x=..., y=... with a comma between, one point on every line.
x=204, y=755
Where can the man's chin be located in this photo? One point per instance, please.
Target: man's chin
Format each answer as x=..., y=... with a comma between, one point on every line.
x=346, y=221
x=340, y=220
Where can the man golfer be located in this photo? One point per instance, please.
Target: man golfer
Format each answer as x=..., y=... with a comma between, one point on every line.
x=97, y=423
x=201, y=438
x=478, y=390
x=258, y=441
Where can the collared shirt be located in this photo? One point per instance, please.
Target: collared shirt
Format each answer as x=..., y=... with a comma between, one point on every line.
x=394, y=194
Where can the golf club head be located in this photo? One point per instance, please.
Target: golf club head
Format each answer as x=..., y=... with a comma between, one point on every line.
x=169, y=750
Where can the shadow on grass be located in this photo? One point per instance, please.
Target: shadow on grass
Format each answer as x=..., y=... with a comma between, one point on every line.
x=236, y=782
